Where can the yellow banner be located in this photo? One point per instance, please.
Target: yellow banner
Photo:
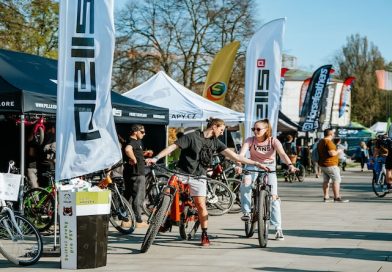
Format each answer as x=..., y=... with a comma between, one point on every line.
x=218, y=76
x=92, y=198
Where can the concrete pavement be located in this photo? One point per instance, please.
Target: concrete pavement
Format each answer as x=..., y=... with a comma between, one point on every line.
x=354, y=236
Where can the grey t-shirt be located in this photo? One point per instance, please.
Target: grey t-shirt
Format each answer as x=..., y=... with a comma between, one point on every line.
x=191, y=146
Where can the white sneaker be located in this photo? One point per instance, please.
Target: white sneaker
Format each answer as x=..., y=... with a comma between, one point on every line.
x=245, y=217
x=279, y=235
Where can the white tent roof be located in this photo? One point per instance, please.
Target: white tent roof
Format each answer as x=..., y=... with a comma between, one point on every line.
x=186, y=108
x=379, y=127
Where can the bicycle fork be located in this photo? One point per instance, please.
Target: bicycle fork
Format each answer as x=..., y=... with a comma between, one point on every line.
x=13, y=221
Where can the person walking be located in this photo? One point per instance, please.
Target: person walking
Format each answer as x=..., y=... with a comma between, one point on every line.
x=290, y=149
x=134, y=179
x=316, y=166
x=263, y=148
x=197, y=149
x=328, y=161
x=342, y=155
x=362, y=154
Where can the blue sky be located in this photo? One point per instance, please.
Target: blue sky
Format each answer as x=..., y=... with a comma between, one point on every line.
x=317, y=29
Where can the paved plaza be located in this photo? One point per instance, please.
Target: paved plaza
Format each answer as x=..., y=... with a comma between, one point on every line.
x=354, y=236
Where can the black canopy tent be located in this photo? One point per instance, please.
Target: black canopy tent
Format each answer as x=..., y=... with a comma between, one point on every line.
x=28, y=87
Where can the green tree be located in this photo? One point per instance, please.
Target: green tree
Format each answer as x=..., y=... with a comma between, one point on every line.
x=29, y=26
x=361, y=59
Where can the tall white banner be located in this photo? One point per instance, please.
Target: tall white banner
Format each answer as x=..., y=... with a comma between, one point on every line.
x=262, y=76
x=86, y=137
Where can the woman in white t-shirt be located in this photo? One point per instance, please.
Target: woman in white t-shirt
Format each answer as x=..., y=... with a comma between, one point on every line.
x=262, y=148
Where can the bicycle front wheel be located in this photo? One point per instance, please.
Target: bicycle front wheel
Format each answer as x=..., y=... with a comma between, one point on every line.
x=20, y=243
x=38, y=205
x=219, y=198
x=379, y=185
x=157, y=219
x=234, y=186
x=122, y=216
x=250, y=226
x=152, y=192
x=263, y=218
x=300, y=174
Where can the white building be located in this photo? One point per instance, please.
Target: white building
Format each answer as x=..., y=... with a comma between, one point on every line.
x=291, y=95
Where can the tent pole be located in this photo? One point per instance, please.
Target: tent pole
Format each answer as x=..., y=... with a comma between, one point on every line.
x=22, y=161
x=167, y=143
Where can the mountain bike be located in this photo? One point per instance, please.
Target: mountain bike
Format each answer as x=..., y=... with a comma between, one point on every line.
x=175, y=203
x=38, y=130
x=20, y=241
x=379, y=181
x=220, y=171
x=219, y=201
x=297, y=175
x=122, y=216
x=39, y=204
x=154, y=184
x=260, y=208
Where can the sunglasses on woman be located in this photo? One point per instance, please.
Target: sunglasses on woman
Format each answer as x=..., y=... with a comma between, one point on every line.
x=257, y=129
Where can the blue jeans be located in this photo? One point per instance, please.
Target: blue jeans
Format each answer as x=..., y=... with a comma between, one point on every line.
x=246, y=195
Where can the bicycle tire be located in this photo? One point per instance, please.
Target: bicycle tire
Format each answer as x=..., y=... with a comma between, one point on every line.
x=234, y=185
x=291, y=177
x=189, y=223
x=301, y=173
x=156, y=222
x=39, y=135
x=219, y=198
x=152, y=194
x=20, y=251
x=263, y=218
x=118, y=213
x=250, y=226
x=38, y=205
x=379, y=185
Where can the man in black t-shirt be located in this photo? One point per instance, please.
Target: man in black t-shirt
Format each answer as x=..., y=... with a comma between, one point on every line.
x=134, y=179
x=196, y=153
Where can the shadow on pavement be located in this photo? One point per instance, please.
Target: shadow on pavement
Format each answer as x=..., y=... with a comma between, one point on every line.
x=279, y=269
x=335, y=252
x=361, y=235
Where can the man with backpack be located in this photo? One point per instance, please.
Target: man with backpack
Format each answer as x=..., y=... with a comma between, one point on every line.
x=328, y=161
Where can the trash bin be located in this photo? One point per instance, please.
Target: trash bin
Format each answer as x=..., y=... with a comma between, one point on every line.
x=84, y=219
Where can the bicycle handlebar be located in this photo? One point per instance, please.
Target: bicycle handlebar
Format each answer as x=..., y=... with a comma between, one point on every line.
x=258, y=171
x=156, y=166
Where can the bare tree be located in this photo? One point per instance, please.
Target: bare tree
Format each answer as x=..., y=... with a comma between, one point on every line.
x=179, y=37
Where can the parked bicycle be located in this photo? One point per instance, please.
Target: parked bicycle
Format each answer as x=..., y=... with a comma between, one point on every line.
x=20, y=241
x=297, y=175
x=260, y=207
x=38, y=130
x=379, y=181
x=174, y=201
x=220, y=171
x=219, y=201
x=39, y=204
x=122, y=216
x=154, y=184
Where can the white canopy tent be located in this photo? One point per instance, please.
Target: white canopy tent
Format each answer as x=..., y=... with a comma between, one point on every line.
x=186, y=108
x=379, y=127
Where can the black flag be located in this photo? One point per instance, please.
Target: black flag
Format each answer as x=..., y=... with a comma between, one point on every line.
x=310, y=114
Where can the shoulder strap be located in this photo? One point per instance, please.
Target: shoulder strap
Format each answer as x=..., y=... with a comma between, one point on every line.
x=272, y=142
x=253, y=141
